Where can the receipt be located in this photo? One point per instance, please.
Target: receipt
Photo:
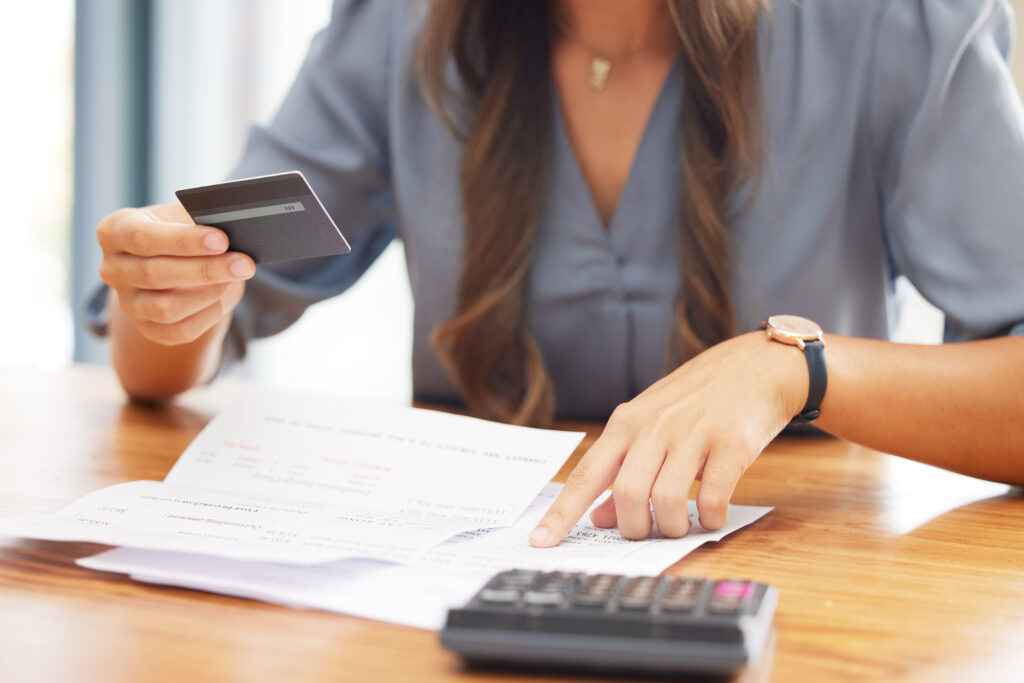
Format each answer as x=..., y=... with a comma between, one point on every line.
x=303, y=480
x=420, y=593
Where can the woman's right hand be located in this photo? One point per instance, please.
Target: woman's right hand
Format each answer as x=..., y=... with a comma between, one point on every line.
x=175, y=280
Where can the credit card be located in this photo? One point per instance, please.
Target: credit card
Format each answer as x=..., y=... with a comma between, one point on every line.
x=271, y=218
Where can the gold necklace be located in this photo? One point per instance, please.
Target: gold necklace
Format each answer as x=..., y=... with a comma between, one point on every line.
x=600, y=64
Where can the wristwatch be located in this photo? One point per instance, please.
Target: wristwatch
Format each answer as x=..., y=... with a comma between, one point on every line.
x=806, y=335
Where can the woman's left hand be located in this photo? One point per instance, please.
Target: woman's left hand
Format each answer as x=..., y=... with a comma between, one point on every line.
x=708, y=420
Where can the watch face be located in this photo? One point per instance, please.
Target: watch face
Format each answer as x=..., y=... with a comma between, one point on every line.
x=795, y=326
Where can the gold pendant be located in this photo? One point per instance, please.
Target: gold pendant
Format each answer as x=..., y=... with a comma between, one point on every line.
x=599, y=70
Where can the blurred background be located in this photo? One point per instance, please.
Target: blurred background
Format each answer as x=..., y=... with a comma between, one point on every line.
x=115, y=103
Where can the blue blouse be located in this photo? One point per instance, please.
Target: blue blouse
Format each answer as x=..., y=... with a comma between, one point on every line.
x=895, y=145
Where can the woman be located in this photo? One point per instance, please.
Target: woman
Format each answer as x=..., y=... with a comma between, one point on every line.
x=597, y=196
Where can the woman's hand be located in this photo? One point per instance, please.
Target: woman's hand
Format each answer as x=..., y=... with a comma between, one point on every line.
x=706, y=421
x=173, y=279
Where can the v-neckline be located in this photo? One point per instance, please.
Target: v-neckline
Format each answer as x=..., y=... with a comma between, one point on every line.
x=562, y=131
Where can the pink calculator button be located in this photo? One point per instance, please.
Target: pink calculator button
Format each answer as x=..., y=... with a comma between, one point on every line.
x=734, y=589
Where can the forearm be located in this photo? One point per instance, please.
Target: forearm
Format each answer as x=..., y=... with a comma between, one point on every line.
x=956, y=406
x=152, y=371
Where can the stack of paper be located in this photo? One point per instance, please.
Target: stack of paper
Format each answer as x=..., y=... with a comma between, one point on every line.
x=392, y=514
x=418, y=594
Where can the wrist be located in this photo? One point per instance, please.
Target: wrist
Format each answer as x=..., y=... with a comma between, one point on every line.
x=805, y=336
x=789, y=373
x=154, y=372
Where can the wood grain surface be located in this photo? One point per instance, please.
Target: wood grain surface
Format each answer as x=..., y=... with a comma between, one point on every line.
x=888, y=570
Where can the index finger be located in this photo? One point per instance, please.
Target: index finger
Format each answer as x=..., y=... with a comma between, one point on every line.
x=146, y=238
x=592, y=475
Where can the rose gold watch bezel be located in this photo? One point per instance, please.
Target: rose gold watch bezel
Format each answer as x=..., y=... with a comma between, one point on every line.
x=776, y=327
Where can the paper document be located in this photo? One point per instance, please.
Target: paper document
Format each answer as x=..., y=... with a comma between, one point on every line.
x=304, y=480
x=419, y=594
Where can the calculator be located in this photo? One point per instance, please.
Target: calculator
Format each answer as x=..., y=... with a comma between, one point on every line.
x=613, y=623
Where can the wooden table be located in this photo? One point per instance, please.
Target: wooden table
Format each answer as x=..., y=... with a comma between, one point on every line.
x=887, y=570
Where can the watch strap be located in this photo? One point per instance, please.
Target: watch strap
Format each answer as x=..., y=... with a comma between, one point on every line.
x=814, y=352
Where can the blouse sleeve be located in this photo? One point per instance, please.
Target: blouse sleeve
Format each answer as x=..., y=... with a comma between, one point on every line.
x=948, y=139
x=332, y=126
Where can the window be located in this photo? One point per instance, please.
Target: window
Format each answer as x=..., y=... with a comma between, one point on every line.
x=36, y=131
x=209, y=70
x=240, y=61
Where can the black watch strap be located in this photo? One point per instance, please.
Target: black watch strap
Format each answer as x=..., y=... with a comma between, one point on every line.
x=814, y=352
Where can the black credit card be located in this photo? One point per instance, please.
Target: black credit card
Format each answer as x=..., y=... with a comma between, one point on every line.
x=271, y=218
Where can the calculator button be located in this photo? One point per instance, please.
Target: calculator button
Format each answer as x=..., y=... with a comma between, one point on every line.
x=638, y=593
x=555, y=583
x=596, y=590
x=544, y=598
x=519, y=578
x=500, y=595
x=719, y=607
x=729, y=597
x=683, y=584
x=681, y=595
x=590, y=600
x=640, y=603
x=679, y=604
x=599, y=585
x=734, y=589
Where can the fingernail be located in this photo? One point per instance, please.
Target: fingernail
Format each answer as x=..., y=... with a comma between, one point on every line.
x=240, y=268
x=540, y=535
x=214, y=242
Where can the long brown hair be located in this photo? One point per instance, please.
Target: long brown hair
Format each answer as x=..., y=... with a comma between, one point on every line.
x=501, y=109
